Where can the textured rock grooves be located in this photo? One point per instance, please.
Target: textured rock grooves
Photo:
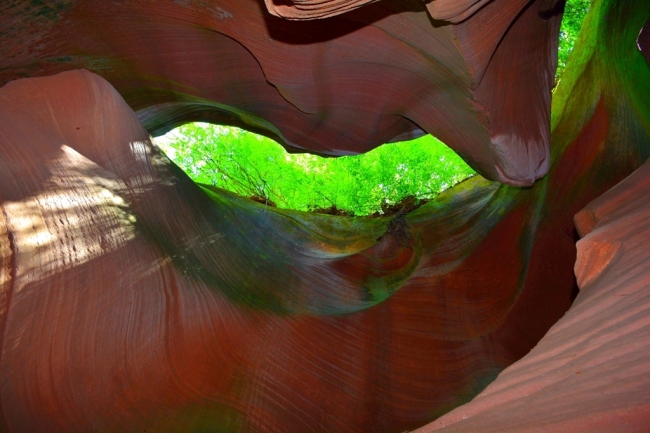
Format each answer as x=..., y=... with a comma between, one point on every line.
x=132, y=299
x=310, y=9
x=590, y=371
x=336, y=86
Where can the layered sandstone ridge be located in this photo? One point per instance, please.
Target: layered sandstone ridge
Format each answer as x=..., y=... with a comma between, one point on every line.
x=590, y=371
x=133, y=299
x=312, y=9
x=344, y=85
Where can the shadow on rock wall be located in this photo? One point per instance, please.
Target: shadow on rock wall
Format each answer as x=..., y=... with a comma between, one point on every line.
x=132, y=299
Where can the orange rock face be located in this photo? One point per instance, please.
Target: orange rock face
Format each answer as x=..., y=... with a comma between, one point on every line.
x=590, y=371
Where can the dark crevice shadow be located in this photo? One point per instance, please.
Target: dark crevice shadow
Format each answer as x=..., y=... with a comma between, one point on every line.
x=643, y=41
x=557, y=9
x=327, y=29
x=575, y=289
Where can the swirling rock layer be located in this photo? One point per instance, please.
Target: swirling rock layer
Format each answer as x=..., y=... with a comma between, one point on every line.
x=133, y=299
x=590, y=371
x=344, y=85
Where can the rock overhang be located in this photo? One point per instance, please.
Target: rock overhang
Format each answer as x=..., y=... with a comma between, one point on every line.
x=480, y=264
x=334, y=86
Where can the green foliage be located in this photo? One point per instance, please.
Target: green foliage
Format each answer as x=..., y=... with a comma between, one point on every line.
x=574, y=14
x=255, y=166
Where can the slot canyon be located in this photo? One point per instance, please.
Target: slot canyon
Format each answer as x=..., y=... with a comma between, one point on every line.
x=132, y=300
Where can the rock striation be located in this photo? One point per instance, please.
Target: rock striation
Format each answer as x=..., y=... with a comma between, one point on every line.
x=312, y=9
x=133, y=299
x=590, y=371
x=213, y=310
x=480, y=80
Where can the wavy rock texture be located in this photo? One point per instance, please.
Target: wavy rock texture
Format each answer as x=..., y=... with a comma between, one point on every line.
x=344, y=85
x=132, y=299
x=590, y=371
x=312, y=9
x=136, y=300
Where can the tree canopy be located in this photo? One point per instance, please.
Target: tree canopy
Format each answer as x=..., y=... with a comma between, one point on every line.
x=574, y=14
x=255, y=166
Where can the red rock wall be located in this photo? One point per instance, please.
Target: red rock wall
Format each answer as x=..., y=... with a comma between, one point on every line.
x=590, y=372
x=344, y=85
x=132, y=299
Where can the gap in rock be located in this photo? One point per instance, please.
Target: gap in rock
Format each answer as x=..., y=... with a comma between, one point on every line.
x=574, y=14
x=393, y=178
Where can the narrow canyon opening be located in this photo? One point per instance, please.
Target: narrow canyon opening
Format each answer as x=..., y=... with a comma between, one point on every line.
x=134, y=297
x=395, y=177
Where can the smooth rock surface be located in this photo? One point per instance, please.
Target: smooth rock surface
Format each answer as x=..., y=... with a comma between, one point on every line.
x=132, y=299
x=343, y=85
x=590, y=372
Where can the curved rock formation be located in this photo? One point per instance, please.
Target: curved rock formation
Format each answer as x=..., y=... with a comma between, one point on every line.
x=312, y=9
x=590, y=371
x=133, y=299
x=344, y=85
